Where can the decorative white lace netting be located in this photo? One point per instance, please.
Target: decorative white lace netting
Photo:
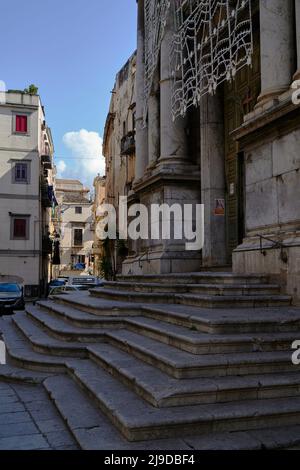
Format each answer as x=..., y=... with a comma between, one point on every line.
x=156, y=13
x=212, y=41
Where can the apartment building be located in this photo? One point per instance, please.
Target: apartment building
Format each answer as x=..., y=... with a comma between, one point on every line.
x=99, y=199
x=119, y=144
x=27, y=178
x=76, y=226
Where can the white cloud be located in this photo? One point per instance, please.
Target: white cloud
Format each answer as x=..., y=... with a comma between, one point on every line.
x=61, y=168
x=86, y=148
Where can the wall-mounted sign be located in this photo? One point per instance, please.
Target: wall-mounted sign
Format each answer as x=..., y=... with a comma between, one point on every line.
x=220, y=207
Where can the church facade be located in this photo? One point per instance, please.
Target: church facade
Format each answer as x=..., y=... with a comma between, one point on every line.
x=228, y=140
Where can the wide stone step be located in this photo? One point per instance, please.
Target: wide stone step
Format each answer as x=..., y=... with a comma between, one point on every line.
x=219, y=321
x=180, y=364
x=222, y=321
x=160, y=390
x=43, y=343
x=137, y=420
x=208, y=301
x=93, y=430
x=74, y=315
x=187, y=392
x=88, y=303
x=176, y=363
x=187, y=339
x=57, y=326
x=20, y=353
x=196, y=278
x=206, y=289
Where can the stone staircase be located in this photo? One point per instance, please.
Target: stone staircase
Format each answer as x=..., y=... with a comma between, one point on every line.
x=210, y=290
x=160, y=376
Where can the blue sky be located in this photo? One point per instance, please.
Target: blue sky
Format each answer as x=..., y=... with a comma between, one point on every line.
x=72, y=50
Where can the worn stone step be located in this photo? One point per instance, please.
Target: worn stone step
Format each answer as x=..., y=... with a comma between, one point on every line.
x=160, y=390
x=179, y=337
x=20, y=353
x=181, y=364
x=172, y=361
x=74, y=315
x=11, y=374
x=90, y=304
x=137, y=420
x=197, y=278
x=221, y=321
x=43, y=343
x=57, y=327
x=191, y=391
x=206, y=289
x=92, y=429
x=209, y=301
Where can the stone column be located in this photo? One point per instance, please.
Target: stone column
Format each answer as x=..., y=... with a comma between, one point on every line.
x=141, y=131
x=173, y=134
x=297, y=16
x=277, y=47
x=213, y=180
x=154, y=122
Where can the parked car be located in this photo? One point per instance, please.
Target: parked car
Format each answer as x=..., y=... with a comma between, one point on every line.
x=11, y=298
x=89, y=281
x=79, y=267
x=60, y=290
x=57, y=283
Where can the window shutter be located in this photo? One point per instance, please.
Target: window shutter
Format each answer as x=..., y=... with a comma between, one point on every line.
x=21, y=124
x=20, y=228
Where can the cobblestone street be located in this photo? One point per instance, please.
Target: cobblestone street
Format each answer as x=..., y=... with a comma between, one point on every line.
x=29, y=421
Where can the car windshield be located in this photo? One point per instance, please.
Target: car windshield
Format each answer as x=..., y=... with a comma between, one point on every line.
x=10, y=288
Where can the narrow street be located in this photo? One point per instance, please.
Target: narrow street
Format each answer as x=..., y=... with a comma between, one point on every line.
x=149, y=229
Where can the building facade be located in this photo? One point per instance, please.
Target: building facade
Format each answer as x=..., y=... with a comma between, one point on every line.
x=76, y=226
x=119, y=143
x=27, y=179
x=235, y=150
x=99, y=199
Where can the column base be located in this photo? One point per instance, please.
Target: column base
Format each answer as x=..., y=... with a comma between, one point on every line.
x=162, y=262
x=270, y=95
x=283, y=267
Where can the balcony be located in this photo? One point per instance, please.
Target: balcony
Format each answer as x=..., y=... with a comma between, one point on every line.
x=47, y=194
x=128, y=144
x=47, y=245
x=46, y=161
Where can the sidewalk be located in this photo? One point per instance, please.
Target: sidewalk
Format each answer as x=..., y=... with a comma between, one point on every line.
x=29, y=421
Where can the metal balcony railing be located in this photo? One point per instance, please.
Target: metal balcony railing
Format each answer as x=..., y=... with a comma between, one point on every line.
x=128, y=144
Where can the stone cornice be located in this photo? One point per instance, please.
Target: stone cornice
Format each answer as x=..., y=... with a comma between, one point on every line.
x=279, y=120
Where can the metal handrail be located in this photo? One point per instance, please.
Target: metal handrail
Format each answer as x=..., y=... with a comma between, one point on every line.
x=276, y=244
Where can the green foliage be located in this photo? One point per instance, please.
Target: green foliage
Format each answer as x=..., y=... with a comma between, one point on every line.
x=105, y=268
x=32, y=90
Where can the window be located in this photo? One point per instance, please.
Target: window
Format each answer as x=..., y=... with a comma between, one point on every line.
x=78, y=210
x=78, y=238
x=21, y=124
x=19, y=228
x=21, y=173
